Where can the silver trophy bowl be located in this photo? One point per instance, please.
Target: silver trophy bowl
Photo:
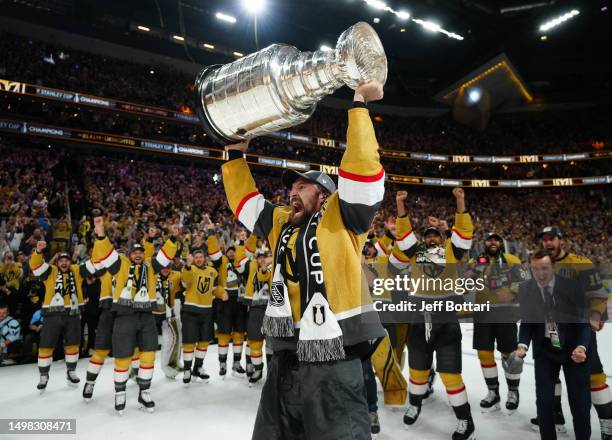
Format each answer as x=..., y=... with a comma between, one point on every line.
x=279, y=86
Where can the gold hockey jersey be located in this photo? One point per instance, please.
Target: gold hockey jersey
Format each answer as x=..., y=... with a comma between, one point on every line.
x=582, y=269
x=436, y=267
x=341, y=233
x=134, y=283
x=63, y=291
x=501, y=277
x=257, y=290
x=201, y=287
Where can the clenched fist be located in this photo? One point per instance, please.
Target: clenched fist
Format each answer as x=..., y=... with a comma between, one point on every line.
x=460, y=199
x=458, y=193
x=40, y=246
x=401, y=196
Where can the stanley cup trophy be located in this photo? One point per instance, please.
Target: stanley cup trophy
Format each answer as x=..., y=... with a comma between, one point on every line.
x=279, y=86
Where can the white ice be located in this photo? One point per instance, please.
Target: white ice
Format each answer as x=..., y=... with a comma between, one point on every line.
x=226, y=408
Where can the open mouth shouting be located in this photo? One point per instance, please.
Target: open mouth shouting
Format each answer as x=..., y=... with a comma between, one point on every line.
x=297, y=210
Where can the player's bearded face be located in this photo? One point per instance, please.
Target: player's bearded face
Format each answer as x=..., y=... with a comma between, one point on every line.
x=552, y=244
x=432, y=240
x=493, y=246
x=137, y=257
x=198, y=259
x=64, y=264
x=305, y=199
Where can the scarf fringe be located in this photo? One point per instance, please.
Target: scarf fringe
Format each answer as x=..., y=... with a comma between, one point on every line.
x=140, y=305
x=321, y=350
x=277, y=327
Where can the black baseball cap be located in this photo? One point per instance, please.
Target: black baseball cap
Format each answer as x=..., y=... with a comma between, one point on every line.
x=550, y=230
x=63, y=255
x=319, y=177
x=136, y=247
x=495, y=235
x=431, y=230
x=264, y=252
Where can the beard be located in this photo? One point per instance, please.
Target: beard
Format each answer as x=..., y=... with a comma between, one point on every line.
x=554, y=251
x=492, y=250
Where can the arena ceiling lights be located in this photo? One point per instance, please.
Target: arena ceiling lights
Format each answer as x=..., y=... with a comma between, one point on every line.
x=254, y=7
x=404, y=15
x=225, y=17
x=559, y=20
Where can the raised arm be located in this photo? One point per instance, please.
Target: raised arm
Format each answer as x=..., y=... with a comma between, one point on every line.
x=39, y=267
x=463, y=229
x=245, y=201
x=166, y=253
x=214, y=248
x=147, y=243
x=361, y=177
x=103, y=250
x=406, y=241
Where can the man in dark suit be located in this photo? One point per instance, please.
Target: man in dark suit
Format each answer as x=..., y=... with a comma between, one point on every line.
x=554, y=319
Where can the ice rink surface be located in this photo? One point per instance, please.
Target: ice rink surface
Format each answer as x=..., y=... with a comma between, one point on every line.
x=226, y=408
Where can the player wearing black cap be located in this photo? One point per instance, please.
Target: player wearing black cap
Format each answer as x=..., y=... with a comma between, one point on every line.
x=61, y=310
x=134, y=299
x=578, y=267
x=318, y=318
x=435, y=259
x=501, y=273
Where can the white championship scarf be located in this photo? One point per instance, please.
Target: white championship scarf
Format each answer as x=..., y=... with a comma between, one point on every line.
x=57, y=303
x=320, y=337
x=141, y=299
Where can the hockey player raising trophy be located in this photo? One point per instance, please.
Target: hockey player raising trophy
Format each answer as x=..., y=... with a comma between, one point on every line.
x=318, y=321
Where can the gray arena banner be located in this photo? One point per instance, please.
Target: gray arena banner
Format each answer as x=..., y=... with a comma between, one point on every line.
x=9, y=86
